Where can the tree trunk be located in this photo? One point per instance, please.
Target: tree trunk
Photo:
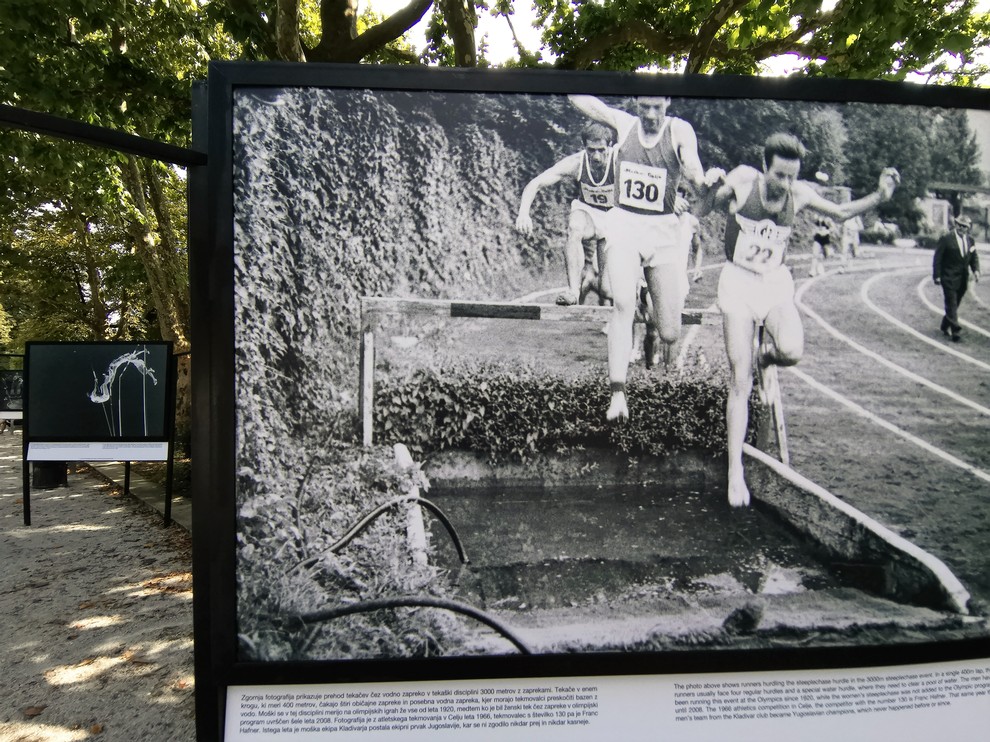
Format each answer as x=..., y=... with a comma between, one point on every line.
x=461, y=22
x=167, y=276
x=287, y=31
x=97, y=309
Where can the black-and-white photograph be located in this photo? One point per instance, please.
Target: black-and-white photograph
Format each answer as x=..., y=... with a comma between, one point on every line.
x=97, y=391
x=557, y=374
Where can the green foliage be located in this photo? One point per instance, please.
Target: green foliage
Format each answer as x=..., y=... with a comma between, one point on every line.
x=285, y=568
x=519, y=413
x=856, y=38
x=125, y=66
x=5, y=326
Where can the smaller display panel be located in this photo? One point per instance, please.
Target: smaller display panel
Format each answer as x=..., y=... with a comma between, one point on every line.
x=98, y=392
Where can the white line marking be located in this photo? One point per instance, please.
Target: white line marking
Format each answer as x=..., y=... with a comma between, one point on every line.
x=950, y=583
x=880, y=359
x=863, y=412
x=938, y=310
x=864, y=295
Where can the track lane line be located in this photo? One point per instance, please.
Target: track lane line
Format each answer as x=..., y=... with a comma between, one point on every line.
x=864, y=295
x=877, y=420
x=927, y=302
x=937, y=388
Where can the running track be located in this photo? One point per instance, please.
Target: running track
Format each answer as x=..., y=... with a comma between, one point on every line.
x=890, y=415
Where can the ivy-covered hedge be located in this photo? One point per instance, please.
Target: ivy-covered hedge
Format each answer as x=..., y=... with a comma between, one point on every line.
x=515, y=414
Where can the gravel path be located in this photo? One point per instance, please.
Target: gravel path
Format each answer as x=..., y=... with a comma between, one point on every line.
x=96, y=604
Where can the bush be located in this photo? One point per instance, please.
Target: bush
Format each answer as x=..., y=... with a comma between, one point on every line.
x=284, y=567
x=523, y=412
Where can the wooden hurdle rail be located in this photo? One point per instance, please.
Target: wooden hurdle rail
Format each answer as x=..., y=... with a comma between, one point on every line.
x=372, y=308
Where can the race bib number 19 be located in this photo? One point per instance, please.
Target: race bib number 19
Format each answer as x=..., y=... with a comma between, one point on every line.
x=642, y=186
x=601, y=196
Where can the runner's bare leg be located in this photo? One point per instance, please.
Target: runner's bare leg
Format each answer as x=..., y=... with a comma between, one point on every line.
x=668, y=304
x=577, y=231
x=624, y=271
x=739, y=331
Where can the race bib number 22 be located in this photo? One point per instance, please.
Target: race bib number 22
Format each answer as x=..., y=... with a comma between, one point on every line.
x=760, y=244
x=642, y=186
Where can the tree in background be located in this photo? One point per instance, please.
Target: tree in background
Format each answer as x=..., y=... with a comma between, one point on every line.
x=848, y=38
x=955, y=154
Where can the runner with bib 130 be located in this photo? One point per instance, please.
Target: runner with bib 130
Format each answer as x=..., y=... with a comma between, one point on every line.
x=755, y=287
x=653, y=153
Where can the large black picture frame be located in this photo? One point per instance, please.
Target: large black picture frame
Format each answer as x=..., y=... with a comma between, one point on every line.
x=212, y=206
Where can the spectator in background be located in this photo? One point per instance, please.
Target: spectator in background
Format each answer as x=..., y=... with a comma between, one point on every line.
x=593, y=170
x=850, y=237
x=955, y=258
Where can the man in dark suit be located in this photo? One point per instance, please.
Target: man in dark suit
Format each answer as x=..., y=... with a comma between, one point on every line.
x=955, y=257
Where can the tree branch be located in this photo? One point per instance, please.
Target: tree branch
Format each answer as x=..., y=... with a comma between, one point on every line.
x=461, y=21
x=634, y=31
x=723, y=10
x=790, y=44
x=336, y=49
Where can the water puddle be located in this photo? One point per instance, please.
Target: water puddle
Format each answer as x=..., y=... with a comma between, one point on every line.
x=532, y=548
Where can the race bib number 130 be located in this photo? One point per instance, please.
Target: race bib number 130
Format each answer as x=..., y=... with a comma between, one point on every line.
x=642, y=186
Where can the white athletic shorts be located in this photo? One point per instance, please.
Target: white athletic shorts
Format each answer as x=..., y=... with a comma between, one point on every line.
x=597, y=217
x=655, y=237
x=743, y=292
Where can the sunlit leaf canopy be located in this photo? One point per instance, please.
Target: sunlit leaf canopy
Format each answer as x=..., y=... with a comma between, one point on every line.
x=848, y=38
x=941, y=41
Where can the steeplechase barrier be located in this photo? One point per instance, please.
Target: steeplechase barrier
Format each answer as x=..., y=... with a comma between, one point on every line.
x=373, y=308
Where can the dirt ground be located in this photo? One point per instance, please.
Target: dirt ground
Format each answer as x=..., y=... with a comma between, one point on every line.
x=96, y=600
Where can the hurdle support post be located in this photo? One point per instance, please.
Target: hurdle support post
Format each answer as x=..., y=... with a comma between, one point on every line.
x=366, y=392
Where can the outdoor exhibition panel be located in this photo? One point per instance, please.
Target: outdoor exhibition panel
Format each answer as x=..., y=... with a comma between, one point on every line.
x=97, y=401
x=349, y=224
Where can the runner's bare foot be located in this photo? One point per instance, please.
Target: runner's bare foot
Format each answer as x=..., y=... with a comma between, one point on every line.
x=618, y=410
x=738, y=492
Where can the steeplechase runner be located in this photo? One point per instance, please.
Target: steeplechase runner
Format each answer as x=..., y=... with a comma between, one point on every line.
x=755, y=287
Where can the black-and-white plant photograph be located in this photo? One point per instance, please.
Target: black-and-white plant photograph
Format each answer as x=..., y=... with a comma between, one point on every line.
x=97, y=391
x=555, y=374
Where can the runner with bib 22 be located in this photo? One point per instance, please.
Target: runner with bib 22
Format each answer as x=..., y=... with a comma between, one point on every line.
x=756, y=287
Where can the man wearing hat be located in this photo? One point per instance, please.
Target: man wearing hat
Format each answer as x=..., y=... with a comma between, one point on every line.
x=955, y=257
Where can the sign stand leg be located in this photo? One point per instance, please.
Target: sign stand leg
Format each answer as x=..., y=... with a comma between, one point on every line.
x=169, y=471
x=26, y=472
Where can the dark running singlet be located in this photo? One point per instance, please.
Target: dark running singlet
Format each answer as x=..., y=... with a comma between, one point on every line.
x=756, y=238
x=647, y=177
x=599, y=194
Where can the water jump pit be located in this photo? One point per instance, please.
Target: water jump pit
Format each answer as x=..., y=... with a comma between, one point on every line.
x=597, y=552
